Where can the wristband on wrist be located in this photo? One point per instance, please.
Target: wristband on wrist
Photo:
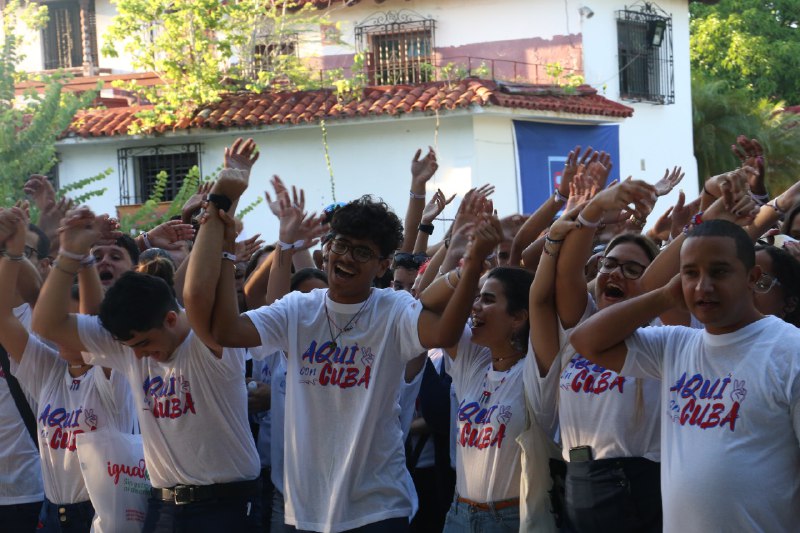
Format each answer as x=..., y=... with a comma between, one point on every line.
x=229, y=256
x=290, y=245
x=559, y=198
x=71, y=255
x=146, y=241
x=15, y=258
x=585, y=223
x=221, y=201
x=88, y=261
x=426, y=228
x=553, y=241
x=760, y=198
x=547, y=251
x=416, y=196
x=695, y=221
x=774, y=205
x=57, y=266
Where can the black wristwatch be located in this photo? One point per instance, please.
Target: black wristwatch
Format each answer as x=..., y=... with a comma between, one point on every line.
x=426, y=228
x=221, y=201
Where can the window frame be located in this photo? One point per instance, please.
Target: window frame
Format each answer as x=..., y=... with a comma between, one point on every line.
x=85, y=20
x=646, y=71
x=133, y=189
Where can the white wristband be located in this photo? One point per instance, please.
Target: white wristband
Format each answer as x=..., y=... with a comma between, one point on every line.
x=229, y=256
x=72, y=255
x=290, y=246
x=147, y=244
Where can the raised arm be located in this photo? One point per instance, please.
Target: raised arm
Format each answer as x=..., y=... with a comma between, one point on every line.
x=544, y=326
x=422, y=170
x=576, y=250
x=13, y=335
x=601, y=338
x=445, y=328
x=80, y=230
x=205, y=271
x=432, y=210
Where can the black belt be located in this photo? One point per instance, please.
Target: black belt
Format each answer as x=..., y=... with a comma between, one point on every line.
x=183, y=494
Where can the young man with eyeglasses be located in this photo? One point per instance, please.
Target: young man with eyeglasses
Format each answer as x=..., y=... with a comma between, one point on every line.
x=730, y=418
x=346, y=347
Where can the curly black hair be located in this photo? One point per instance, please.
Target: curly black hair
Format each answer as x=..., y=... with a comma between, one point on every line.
x=372, y=220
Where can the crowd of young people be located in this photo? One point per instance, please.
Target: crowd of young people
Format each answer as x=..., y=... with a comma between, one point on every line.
x=557, y=371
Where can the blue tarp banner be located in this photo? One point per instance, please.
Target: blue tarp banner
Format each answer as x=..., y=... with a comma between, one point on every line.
x=542, y=150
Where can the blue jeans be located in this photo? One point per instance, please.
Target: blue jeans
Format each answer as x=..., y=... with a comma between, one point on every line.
x=20, y=517
x=277, y=521
x=70, y=518
x=464, y=518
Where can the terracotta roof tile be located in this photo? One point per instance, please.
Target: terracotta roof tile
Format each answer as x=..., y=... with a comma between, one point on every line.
x=263, y=109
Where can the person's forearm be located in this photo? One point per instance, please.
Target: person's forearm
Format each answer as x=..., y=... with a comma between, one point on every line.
x=255, y=288
x=532, y=228
x=280, y=276
x=226, y=308
x=614, y=324
x=51, y=313
x=432, y=269
x=302, y=259
x=13, y=335
x=421, y=244
x=413, y=217
x=532, y=254
x=180, y=279
x=544, y=330
x=570, y=278
x=90, y=290
x=445, y=330
x=765, y=219
x=202, y=275
x=29, y=282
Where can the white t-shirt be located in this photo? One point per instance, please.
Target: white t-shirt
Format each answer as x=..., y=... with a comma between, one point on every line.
x=262, y=371
x=408, y=401
x=730, y=424
x=20, y=468
x=491, y=414
x=618, y=416
x=193, y=408
x=69, y=406
x=345, y=464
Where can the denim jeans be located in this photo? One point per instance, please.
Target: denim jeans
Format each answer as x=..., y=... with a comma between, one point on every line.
x=20, y=517
x=277, y=521
x=464, y=518
x=71, y=518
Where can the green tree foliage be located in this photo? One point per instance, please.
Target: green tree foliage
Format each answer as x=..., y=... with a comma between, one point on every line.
x=31, y=124
x=201, y=48
x=751, y=44
x=721, y=113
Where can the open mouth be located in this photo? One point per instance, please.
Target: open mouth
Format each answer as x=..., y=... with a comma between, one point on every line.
x=612, y=292
x=106, y=276
x=706, y=304
x=475, y=322
x=343, y=272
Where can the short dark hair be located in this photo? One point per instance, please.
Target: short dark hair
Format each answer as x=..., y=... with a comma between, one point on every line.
x=136, y=303
x=43, y=246
x=786, y=270
x=372, y=220
x=516, y=283
x=305, y=274
x=127, y=242
x=159, y=266
x=745, y=249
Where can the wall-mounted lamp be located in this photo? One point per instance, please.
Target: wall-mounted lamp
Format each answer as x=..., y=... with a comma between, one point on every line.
x=586, y=12
x=655, y=32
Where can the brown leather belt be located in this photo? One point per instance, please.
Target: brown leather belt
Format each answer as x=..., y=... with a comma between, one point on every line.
x=500, y=504
x=183, y=494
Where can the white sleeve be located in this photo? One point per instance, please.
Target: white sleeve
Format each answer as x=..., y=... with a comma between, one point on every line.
x=646, y=347
x=408, y=399
x=39, y=361
x=104, y=349
x=272, y=323
x=406, y=311
x=469, y=359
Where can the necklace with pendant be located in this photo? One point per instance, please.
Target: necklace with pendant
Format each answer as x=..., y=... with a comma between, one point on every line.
x=347, y=327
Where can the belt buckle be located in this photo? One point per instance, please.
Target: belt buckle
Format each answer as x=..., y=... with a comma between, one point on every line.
x=182, y=494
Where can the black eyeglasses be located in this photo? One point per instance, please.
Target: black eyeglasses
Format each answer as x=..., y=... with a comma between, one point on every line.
x=765, y=283
x=362, y=254
x=407, y=260
x=30, y=250
x=630, y=269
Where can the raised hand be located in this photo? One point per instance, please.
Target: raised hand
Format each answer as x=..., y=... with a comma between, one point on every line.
x=567, y=222
x=195, y=201
x=246, y=248
x=78, y=231
x=107, y=229
x=241, y=155
x=50, y=217
x=298, y=198
x=488, y=233
x=41, y=191
x=662, y=229
x=570, y=171
x=665, y=185
x=475, y=202
x=682, y=213
x=751, y=154
x=231, y=182
x=581, y=190
x=435, y=206
x=638, y=193
x=168, y=235
x=423, y=169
